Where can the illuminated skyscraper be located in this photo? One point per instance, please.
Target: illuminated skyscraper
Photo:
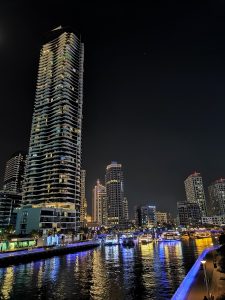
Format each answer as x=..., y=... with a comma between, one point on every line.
x=99, y=204
x=115, y=194
x=83, y=202
x=14, y=173
x=54, y=159
x=195, y=191
x=217, y=197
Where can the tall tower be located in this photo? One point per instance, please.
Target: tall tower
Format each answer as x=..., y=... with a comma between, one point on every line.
x=195, y=191
x=14, y=173
x=115, y=194
x=99, y=202
x=54, y=159
x=217, y=197
x=83, y=202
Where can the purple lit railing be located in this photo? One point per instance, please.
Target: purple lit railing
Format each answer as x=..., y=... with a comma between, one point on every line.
x=182, y=291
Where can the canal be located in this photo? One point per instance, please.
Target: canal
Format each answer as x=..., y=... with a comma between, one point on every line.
x=152, y=271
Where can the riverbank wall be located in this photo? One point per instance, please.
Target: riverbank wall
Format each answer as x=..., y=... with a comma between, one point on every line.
x=17, y=257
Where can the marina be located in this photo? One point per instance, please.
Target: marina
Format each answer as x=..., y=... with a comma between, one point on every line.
x=145, y=271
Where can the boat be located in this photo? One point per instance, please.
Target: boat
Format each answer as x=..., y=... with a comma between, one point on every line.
x=145, y=238
x=111, y=239
x=201, y=234
x=169, y=236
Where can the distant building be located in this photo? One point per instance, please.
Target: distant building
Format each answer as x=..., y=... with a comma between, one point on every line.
x=214, y=220
x=99, y=204
x=115, y=194
x=146, y=216
x=217, y=197
x=46, y=218
x=161, y=217
x=83, y=202
x=195, y=191
x=125, y=209
x=189, y=213
x=54, y=160
x=8, y=202
x=14, y=173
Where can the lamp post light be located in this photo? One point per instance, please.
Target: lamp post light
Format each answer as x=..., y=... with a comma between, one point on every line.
x=206, y=279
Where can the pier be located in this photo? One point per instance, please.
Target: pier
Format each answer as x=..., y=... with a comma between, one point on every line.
x=22, y=256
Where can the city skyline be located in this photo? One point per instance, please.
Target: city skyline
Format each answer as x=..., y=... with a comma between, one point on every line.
x=175, y=131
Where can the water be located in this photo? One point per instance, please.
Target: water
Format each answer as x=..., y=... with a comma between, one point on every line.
x=152, y=271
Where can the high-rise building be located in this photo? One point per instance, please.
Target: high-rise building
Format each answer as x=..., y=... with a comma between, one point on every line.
x=146, y=216
x=217, y=197
x=8, y=201
x=189, y=213
x=99, y=204
x=161, y=217
x=195, y=191
x=14, y=173
x=54, y=159
x=115, y=194
x=125, y=209
x=83, y=202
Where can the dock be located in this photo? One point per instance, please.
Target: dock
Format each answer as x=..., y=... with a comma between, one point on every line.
x=23, y=256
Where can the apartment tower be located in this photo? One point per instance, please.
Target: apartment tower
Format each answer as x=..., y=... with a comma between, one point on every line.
x=115, y=194
x=195, y=191
x=217, y=197
x=54, y=158
x=99, y=204
x=14, y=173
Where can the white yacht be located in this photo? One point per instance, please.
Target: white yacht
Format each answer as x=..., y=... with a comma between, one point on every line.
x=111, y=239
x=169, y=236
x=145, y=238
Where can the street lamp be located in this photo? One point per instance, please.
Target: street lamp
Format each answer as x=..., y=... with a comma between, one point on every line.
x=206, y=279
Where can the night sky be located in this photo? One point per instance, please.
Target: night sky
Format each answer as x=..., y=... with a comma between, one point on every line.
x=154, y=96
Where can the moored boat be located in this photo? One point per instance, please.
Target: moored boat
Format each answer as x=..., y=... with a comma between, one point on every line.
x=111, y=239
x=169, y=236
x=145, y=238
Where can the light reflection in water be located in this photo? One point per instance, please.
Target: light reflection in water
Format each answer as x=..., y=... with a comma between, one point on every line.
x=151, y=271
x=7, y=283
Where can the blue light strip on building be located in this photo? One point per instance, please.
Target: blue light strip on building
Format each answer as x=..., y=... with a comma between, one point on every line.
x=182, y=291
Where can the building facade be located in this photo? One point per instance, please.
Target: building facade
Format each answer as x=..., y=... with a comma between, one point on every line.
x=115, y=194
x=99, y=204
x=14, y=173
x=125, y=209
x=217, y=197
x=161, y=217
x=54, y=158
x=214, y=220
x=195, y=191
x=189, y=213
x=8, y=202
x=146, y=216
x=83, y=202
x=48, y=218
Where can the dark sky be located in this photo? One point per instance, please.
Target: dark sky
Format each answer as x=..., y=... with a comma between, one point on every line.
x=154, y=96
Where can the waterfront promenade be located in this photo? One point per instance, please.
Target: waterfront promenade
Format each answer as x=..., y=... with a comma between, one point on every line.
x=14, y=257
x=193, y=286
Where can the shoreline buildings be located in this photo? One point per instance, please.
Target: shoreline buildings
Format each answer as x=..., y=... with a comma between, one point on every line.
x=217, y=197
x=195, y=191
x=116, y=204
x=99, y=204
x=53, y=169
x=11, y=194
x=83, y=200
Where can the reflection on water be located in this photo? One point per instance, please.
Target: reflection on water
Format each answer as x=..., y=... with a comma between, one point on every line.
x=152, y=271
